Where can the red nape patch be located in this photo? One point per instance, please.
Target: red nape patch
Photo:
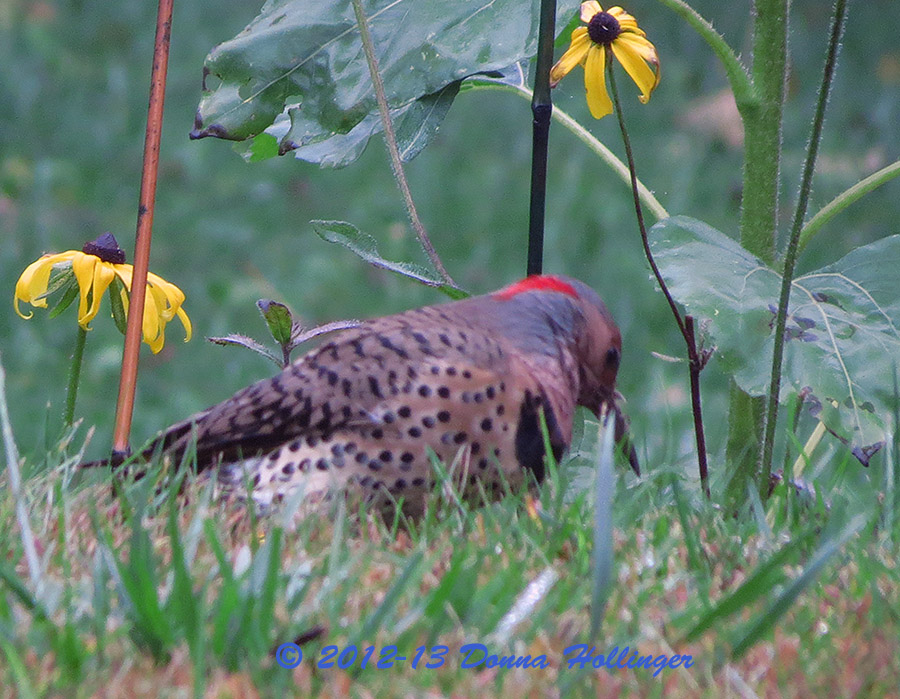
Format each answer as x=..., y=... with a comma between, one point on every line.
x=537, y=282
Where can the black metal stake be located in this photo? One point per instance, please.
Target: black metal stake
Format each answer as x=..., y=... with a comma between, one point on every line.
x=541, y=108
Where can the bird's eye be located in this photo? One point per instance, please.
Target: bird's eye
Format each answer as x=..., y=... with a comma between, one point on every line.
x=612, y=357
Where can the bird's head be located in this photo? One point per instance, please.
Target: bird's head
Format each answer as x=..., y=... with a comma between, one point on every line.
x=579, y=322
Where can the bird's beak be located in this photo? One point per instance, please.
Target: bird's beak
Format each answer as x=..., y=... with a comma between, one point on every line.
x=623, y=438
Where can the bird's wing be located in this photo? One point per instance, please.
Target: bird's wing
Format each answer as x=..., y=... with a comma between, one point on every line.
x=342, y=385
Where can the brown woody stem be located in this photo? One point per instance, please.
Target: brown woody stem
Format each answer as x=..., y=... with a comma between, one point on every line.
x=128, y=380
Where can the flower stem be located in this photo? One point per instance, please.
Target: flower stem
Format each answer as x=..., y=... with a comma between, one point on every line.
x=790, y=257
x=541, y=108
x=74, y=376
x=390, y=139
x=686, y=325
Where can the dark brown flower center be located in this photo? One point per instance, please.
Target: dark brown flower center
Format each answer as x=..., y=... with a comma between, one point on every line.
x=106, y=247
x=603, y=28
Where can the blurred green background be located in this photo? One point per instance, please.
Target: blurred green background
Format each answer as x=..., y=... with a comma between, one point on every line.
x=73, y=95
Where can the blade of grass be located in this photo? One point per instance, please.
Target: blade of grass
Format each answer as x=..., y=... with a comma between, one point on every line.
x=765, y=621
x=374, y=622
x=18, y=670
x=602, y=561
x=15, y=485
x=760, y=582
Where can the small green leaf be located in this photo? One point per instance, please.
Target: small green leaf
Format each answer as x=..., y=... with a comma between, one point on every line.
x=278, y=318
x=364, y=245
x=70, y=294
x=62, y=278
x=118, y=308
x=262, y=147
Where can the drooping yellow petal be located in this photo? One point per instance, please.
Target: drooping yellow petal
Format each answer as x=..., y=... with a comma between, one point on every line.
x=640, y=45
x=163, y=301
x=575, y=54
x=626, y=51
x=83, y=267
x=627, y=23
x=589, y=9
x=151, y=326
x=186, y=322
x=125, y=273
x=171, y=296
x=595, y=83
x=103, y=276
x=163, y=309
x=33, y=282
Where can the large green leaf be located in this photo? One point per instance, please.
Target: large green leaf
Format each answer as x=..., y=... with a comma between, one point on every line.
x=842, y=332
x=298, y=69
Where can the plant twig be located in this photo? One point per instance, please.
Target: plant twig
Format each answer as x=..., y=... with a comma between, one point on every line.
x=74, y=377
x=541, y=108
x=130, y=355
x=696, y=361
x=390, y=139
x=790, y=256
x=695, y=366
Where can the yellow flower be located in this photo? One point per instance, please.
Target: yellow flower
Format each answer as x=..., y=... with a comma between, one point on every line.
x=95, y=267
x=615, y=30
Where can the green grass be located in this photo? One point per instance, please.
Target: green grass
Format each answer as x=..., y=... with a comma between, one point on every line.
x=159, y=587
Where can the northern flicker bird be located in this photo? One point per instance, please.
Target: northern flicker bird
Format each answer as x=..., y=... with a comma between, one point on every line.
x=464, y=382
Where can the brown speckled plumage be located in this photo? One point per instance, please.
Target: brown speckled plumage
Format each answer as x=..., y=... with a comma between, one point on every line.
x=465, y=380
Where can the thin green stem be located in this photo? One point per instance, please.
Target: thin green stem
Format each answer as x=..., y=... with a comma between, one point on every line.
x=585, y=136
x=744, y=91
x=390, y=139
x=685, y=325
x=845, y=199
x=790, y=257
x=74, y=376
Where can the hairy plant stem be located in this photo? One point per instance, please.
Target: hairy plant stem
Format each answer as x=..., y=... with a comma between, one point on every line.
x=390, y=139
x=790, y=257
x=762, y=120
x=541, y=108
x=74, y=377
x=686, y=325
